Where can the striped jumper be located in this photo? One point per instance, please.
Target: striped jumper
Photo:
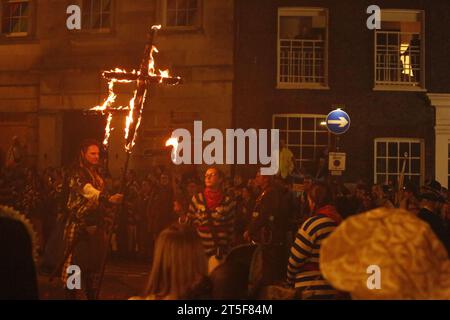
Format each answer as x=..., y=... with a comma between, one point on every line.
x=303, y=265
x=221, y=219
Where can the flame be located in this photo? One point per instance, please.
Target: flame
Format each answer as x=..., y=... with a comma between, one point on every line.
x=174, y=143
x=163, y=74
x=108, y=130
x=110, y=100
x=151, y=67
x=107, y=106
x=151, y=62
x=129, y=120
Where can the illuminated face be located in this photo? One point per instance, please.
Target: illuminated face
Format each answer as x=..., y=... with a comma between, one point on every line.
x=92, y=155
x=212, y=179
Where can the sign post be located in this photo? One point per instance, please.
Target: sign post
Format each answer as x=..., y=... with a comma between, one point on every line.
x=338, y=122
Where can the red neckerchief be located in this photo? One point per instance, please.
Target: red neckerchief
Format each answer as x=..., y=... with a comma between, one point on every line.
x=213, y=198
x=330, y=212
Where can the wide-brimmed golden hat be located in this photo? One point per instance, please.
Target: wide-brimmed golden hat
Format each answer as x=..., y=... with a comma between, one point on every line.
x=391, y=244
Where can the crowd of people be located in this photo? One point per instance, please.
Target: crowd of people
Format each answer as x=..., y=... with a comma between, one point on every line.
x=211, y=236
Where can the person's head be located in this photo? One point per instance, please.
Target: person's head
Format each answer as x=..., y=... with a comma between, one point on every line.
x=246, y=193
x=90, y=152
x=307, y=182
x=191, y=188
x=431, y=201
x=214, y=178
x=145, y=186
x=262, y=181
x=282, y=143
x=164, y=179
x=179, y=263
x=431, y=196
x=378, y=191
x=237, y=181
x=319, y=196
x=360, y=191
x=16, y=141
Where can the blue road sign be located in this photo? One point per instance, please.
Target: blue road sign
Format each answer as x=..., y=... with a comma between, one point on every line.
x=338, y=121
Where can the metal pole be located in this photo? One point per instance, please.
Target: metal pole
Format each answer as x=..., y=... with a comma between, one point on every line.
x=120, y=208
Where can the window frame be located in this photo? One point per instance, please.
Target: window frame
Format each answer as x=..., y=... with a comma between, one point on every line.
x=399, y=157
x=316, y=146
x=403, y=86
x=448, y=164
x=91, y=30
x=31, y=21
x=294, y=11
x=197, y=26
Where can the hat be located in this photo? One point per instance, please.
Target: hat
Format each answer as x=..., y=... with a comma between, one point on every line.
x=432, y=191
x=412, y=262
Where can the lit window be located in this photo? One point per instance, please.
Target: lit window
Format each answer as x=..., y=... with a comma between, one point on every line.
x=392, y=154
x=305, y=135
x=96, y=14
x=399, y=53
x=16, y=17
x=182, y=13
x=302, y=47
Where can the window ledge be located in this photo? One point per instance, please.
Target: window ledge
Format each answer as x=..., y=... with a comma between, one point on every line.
x=166, y=30
x=17, y=40
x=398, y=88
x=86, y=32
x=302, y=86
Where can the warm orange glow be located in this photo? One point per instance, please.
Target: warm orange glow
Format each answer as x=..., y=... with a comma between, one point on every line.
x=108, y=130
x=129, y=120
x=107, y=106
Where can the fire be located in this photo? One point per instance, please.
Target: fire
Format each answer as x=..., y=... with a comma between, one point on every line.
x=133, y=118
x=151, y=67
x=110, y=100
x=108, y=130
x=174, y=143
x=129, y=120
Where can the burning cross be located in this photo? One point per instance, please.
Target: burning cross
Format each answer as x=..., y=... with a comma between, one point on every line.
x=143, y=78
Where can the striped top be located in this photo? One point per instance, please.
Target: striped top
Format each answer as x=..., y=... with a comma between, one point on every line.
x=303, y=266
x=222, y=219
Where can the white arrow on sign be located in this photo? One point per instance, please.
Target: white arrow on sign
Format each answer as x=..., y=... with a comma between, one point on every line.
x=342, y=122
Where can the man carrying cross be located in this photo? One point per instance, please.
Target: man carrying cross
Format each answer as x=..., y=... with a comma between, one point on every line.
x=84, y=235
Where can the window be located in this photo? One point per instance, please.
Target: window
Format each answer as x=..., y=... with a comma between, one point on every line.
x=305, y=135
x=302, y=48
x=96, y=14
x=399, y=50
x=448, y=179
x=182, y=13
x=16, y=15
x=390, y=156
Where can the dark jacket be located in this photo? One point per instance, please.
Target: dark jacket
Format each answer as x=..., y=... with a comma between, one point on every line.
x=271, y=217
x=437, y=224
